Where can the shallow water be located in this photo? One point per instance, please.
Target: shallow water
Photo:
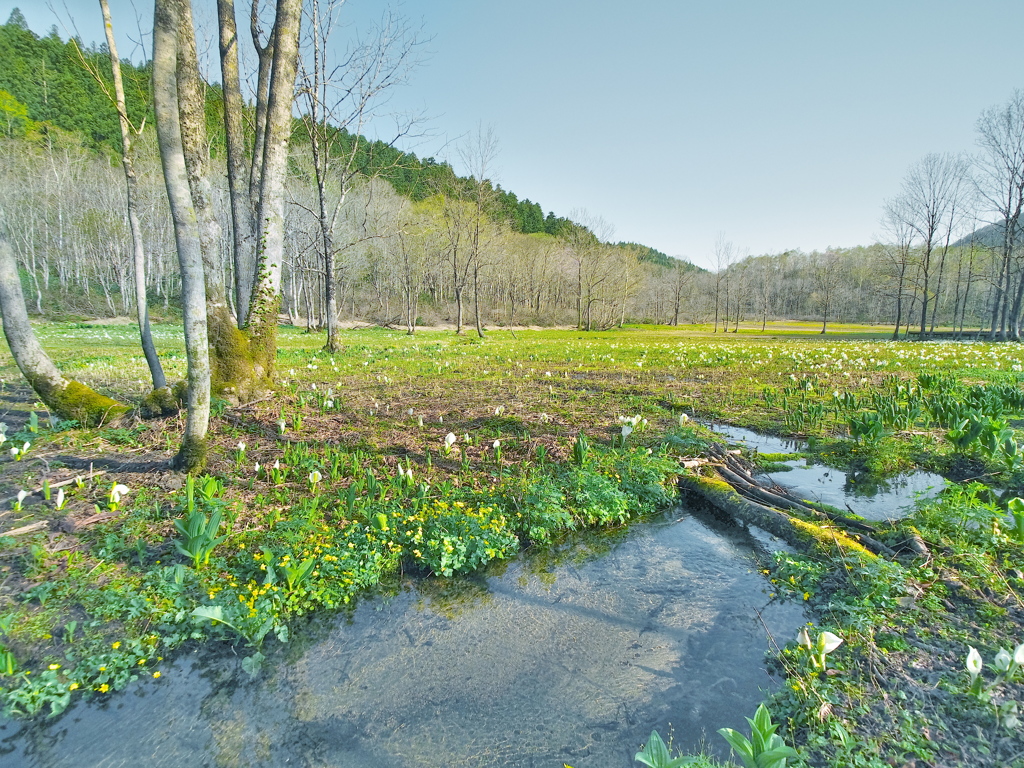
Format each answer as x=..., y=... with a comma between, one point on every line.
x=869, y=497
x=572, y=655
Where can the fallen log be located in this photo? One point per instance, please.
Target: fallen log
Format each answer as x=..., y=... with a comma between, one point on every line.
x=754, y=504
x=798, y=533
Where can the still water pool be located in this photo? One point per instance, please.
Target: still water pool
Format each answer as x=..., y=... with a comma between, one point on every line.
x=571, y=655
x=870, y=497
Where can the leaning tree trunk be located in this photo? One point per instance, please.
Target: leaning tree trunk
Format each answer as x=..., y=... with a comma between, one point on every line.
x=160, y=401
x=67, y=398
x=191, y=456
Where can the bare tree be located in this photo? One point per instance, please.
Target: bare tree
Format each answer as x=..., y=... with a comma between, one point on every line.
x=1000, y=181
x=160, y=402
x=898, y=254
x=681, y=277
x=478, y=153
x=930, y=205
x=724, y=257
x=340, y=98
x=827, y=281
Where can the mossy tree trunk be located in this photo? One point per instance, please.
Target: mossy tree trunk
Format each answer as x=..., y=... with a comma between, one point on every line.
x=242, y=223
x=231, y=370
x=167, y=17
x=67, y=398
x=266, y=298
x=800, y=534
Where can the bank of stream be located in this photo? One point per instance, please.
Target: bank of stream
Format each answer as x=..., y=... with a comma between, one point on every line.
x=568, y=655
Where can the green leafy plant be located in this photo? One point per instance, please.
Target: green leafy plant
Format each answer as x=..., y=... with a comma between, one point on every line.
x=199, y=536
x=296, y=573
x=867, y=426
x=580, y=449
x=1016, y=507
x=254, y=661
x=764, y=748
x=656, y=754
x=198, y=533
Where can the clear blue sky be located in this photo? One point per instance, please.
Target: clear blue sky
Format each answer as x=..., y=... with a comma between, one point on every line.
x=777, y=124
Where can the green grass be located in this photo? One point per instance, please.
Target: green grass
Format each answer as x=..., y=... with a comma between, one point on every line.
x=128, y=596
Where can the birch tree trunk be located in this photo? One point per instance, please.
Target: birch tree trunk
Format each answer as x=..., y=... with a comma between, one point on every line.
x=167, y=15
x=67, y=398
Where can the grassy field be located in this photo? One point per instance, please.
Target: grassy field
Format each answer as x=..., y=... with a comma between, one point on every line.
x=435, y=454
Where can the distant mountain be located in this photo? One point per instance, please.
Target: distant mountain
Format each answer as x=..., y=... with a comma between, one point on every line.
x=989, y=236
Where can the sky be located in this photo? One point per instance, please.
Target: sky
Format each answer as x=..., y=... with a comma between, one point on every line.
x=773, y=125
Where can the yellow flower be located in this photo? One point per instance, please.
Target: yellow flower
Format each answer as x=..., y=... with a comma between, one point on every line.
x=116, y=645
x=73, y=687
x=55, y=666
x=140, y=662
x=103, y=669
x=156, y=674
x=807, y=595
x=103, y=688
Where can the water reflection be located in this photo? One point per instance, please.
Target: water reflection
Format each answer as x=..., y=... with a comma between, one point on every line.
x=572, y=655
x=869, y=496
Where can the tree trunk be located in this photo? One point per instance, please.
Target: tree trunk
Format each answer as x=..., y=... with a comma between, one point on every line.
x=238, y=188
x=191, y=456
x=899, y=302
x=266, y=298
x=458, y=310
x=231, y=370
x=67, y=398
x=476, y=302
x=156, y=371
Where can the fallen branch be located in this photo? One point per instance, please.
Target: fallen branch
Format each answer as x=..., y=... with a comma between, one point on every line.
x=31, y=527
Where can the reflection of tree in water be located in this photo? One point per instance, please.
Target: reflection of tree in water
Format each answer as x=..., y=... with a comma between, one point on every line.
x=867, y=485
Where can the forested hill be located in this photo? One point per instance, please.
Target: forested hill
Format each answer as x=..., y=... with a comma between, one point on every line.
x=45, y=83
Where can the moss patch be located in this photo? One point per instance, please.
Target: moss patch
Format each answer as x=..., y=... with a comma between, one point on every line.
x=79, y=402
x=830, y=539
x=159, y=402
x=192, y=455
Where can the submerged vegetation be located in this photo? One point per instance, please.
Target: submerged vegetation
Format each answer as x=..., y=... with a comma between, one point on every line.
x=436, y=454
